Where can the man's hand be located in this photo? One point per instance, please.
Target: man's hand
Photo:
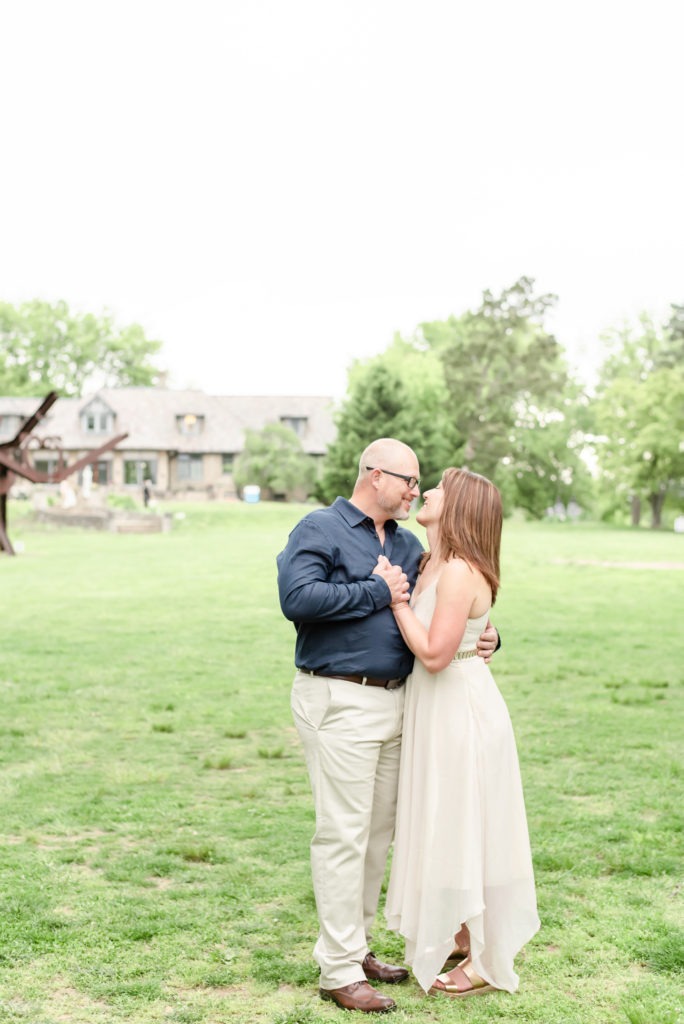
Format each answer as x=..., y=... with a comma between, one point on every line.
x=486, y=645
x=395, y=579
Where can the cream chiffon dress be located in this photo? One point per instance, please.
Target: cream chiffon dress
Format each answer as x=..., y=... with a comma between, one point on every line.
x=461, y=849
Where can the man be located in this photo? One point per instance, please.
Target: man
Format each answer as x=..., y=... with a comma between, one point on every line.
x=347, y=702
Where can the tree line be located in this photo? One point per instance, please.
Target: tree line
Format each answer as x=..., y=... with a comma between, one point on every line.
x=489, y=389
x=46, y=347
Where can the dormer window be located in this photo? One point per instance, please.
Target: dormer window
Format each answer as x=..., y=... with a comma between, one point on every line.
x=296, y=423
x=189, y=424
x=97, y=423
x=97, y=418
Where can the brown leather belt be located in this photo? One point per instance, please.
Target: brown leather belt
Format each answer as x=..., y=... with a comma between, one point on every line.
x=386, y=684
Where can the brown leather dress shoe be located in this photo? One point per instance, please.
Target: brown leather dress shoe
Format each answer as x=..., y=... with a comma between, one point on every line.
x=375, y=970
x=359, y=996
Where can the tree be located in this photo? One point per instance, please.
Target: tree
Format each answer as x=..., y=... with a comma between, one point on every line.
x=274, y=460
x=44, y=347
x=640, y=417
x=498, y=362
x=672, y=353
x=470, y=390
x=400, y=393
x=546, y=464
x=506, y=379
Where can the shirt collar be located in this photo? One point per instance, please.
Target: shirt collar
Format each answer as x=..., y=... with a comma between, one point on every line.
x=355, y=516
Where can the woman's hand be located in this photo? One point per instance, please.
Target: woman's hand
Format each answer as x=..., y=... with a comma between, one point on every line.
x=396, y=580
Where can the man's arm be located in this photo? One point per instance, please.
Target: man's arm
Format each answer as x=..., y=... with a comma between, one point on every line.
x=307, y=593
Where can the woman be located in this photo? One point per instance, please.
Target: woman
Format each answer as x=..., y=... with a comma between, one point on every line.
x=461, y=869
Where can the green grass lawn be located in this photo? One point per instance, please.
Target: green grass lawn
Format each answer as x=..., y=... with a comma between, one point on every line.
x=155, y=808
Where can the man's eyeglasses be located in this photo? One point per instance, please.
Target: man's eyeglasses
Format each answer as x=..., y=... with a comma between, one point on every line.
x=411, y=481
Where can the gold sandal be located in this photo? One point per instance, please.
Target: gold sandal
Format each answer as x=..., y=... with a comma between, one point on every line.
x=476, y=986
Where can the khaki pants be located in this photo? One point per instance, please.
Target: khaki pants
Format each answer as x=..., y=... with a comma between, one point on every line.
x=351, y=736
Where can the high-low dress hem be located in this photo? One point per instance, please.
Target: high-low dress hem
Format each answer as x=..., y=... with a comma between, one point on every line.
x=461, y=849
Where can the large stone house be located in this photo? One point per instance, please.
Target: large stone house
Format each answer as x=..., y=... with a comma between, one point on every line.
x=184, y=442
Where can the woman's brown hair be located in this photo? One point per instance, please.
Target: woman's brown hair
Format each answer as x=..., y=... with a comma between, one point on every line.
x=470, y=522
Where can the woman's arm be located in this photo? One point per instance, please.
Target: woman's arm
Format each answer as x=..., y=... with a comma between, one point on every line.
x=456, y=591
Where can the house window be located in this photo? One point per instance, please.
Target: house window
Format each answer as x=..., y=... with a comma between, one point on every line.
x=227, y=463
x=94, y=421
x=296, y=423
x=189, y=424
x=189, y=467
x=48, y=465
x=9, y=425
x=136, y=471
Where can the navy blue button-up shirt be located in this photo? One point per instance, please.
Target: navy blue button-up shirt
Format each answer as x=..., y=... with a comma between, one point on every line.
x=341, y=611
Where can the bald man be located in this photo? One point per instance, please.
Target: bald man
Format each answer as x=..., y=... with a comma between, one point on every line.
x=348, y=702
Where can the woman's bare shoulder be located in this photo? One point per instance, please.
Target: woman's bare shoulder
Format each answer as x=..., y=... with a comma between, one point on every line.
x=457, y=573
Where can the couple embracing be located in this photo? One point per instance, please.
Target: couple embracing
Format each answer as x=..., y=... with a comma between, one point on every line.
x=406, y=735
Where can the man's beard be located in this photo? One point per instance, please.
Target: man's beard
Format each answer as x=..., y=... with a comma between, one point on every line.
x=394, y=511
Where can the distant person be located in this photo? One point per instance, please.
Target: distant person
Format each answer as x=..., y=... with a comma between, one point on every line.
x=68, y=495
x=461, y=869
x=86, y=482
x=348, y=701
x=147, y=492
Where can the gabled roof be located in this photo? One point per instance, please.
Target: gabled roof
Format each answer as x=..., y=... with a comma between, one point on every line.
x=96, y=402
x=18, y=405
x=149, y=416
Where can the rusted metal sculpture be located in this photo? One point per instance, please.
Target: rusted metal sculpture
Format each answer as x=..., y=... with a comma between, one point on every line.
x=14, y=462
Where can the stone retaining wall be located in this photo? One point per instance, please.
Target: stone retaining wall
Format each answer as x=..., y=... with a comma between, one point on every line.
x=114, y=520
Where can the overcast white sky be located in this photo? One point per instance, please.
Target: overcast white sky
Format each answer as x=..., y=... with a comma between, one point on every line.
x=274, y=187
